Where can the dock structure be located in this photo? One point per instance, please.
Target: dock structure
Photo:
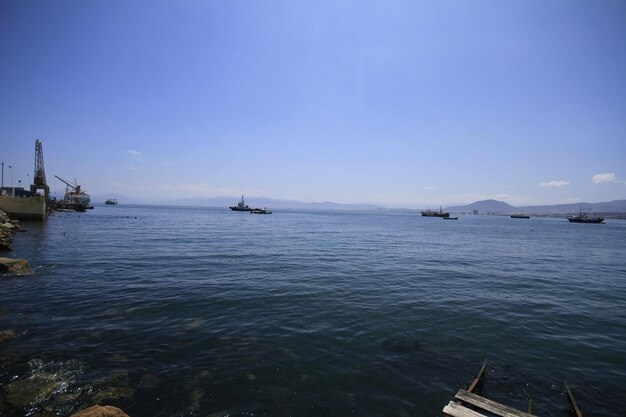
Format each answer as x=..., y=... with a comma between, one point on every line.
x=458, y=407
x=24, y=208
x=467, y=403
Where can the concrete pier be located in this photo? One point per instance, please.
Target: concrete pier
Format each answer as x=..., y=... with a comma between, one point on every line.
x=24, y=208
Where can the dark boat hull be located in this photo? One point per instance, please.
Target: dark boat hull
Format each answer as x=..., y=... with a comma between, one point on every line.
x=434, y=214
x=578, y=220
x=68, y=206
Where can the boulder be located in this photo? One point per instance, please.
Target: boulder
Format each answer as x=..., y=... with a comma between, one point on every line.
x=100, y=411
x=148, y=382
x=33, y=390
x=113, y=393
x=5, y=243
x=6, y=335
x=14, y=266
x=8, y=228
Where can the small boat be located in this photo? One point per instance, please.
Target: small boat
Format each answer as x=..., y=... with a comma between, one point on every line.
x=467, y=403
x=264, y=210
x=584, y=218
x=435, y=213
x=519, y=216
x=241, y=206
x=111, y=202
x=450, y=218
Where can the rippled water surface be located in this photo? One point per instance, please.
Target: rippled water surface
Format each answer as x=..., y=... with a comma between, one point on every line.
x=207, y=312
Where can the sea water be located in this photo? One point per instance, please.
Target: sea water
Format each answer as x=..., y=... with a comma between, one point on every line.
x=173, y=311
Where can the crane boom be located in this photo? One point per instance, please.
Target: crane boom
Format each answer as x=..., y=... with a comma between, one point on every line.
x=67, y=183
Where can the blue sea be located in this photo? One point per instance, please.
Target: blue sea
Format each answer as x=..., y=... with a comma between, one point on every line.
x=174, y=311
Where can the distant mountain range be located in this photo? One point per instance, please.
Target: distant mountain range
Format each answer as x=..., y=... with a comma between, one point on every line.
x=483, y=207
x=500, y=207
x=226, y=201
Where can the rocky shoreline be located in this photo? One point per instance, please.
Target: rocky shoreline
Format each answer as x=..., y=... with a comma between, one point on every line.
x=8, y=228
x=38, y=388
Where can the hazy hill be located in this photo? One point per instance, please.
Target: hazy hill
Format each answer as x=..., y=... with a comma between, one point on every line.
x=484, y=206
x=616, y=206
x=226, y=201
x=499, y=207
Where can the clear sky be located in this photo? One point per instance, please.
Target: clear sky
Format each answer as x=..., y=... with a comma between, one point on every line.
x=397, y=103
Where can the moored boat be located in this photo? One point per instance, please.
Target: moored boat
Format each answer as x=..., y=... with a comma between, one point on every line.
x=435, y=213
x=520, y=216
x=584, y=218
x=241, y=206
x=263, y=210
x=75, y=198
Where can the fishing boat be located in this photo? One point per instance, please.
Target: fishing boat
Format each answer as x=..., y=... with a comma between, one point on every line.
x=584, y=218
x=435, y=213
x=241, y=206
x=467, y=403
x=519, y=216
x=263, y=210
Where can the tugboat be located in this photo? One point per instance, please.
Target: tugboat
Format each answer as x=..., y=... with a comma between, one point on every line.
x=584, y=218
x=241, y=206
x=434, y=213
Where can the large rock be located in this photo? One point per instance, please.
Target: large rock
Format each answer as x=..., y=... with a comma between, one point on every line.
x=113, y=393
x=5, y=244
x=6, y=237
x=6, y=335
x=14, y=266
x=8, y=228
x=100, y=411
x=33, y=390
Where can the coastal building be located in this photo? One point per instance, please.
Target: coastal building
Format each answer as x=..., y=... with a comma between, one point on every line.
x=15, y=191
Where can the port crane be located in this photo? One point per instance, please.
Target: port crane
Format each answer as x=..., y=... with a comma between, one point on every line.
x=39, y=177
x=75, y=187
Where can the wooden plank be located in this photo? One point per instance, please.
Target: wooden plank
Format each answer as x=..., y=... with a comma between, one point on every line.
x=489, y=405
x=476, y=380
x=572, y=401
x=457, y=410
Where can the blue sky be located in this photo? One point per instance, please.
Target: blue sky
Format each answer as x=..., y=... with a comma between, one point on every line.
x=398, y=103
